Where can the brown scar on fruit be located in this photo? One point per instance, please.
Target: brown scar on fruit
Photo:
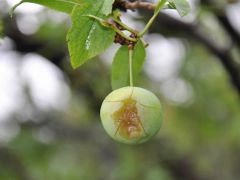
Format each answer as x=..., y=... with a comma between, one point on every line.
x=127, y=120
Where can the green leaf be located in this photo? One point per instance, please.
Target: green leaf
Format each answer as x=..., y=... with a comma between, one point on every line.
x=182, y=6
x=139, y=57
x=120, y=65
x=120, y=68
x=171, y=5
x=107, y=7
x=87, y=37
x=65, y=6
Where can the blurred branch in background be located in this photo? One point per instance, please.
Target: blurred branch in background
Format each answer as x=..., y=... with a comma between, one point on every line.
x=233, y=33
x=193, y=30
x=30, y=43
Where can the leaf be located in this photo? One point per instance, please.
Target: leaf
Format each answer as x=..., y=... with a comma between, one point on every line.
x=120, y=65
x=87, y=37
x=182, y=6
x=107, y=7
x=139, y=57
x=65, y=6
x=120, y=68
x=171, y=5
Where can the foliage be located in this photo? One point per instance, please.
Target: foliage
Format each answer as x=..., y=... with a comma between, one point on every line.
x=87, y=38
x=91, y=33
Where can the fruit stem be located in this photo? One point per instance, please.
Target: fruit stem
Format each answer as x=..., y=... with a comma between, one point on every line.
x=130, y=67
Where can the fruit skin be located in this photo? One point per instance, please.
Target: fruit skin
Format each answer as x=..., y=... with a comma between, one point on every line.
x=131, y=115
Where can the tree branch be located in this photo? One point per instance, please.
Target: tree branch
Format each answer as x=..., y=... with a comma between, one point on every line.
x=140, y=5
x=223, y=19
x=233, y=33
x=125, y=5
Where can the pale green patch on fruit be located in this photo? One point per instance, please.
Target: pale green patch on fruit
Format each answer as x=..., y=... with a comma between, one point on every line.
x=131, y=115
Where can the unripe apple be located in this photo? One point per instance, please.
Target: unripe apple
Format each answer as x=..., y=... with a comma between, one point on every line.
x=131, y=115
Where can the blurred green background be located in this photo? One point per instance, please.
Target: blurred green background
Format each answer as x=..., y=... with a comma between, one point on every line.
x=49, y=113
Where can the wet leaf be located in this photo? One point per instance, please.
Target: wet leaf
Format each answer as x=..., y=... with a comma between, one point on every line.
x=87, y=37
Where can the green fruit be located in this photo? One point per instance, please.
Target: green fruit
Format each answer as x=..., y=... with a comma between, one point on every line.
x=131, y=115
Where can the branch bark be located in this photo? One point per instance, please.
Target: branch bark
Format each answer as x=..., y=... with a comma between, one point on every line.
x=140, y=5
x=125, y=5
x=233, y=33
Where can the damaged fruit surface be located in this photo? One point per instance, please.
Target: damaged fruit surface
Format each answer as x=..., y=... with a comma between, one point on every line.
x=131, y=115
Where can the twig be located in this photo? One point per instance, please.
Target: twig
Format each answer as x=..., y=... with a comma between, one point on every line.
x=140, y=5
x=124, y=5
x=233, y=33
